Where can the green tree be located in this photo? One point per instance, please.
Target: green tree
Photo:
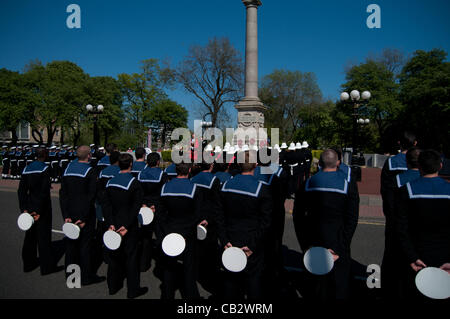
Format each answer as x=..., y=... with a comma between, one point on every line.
x=165, y=117
x=141, y=92
x=15, y=102
x=59, y=95
x=105, y=90
x=384, y=105
x=425, y=91
x=287, y=94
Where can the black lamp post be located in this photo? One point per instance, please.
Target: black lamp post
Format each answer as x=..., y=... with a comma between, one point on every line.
x=355, y=98
x=95, y=111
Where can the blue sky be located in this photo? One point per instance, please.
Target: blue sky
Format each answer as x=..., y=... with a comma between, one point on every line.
x=310, y=36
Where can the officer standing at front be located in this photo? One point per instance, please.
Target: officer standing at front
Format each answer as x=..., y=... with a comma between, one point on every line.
x=122, y=202
x=77, y=199
x=329, y=204
x=34, y=198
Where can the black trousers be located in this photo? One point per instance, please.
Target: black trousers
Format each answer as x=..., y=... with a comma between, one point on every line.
x=38, y=239
x=21, y=166
x=172, y=268
x=209, y=275
x=336, y=284
x=14, y=167
x=248, y=282
x=6, y=166
x=80, y=251
x=145, y=247
x=124, y=263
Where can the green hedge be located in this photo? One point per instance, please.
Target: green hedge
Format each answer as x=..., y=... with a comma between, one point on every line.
x=166, y=156
x=316, y=153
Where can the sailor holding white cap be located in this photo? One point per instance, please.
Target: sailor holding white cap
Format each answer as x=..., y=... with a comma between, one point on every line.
x=276, y=178
x=104, y=177
x=77, y=201
x=391, y=168
x=179, y=213
x=34, y=199
x=152, y=179
x=331, y=205
x=208, y=184
x=423, y=221
x=13, y=162
x=247, y=210
x=122, y=202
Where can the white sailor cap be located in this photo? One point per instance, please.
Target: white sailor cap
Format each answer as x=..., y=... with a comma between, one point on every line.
x=13, y=148
x=217, y=149
x=283, y=145
x=298, y=145
x=4, y=146
x=35, y=146
x=208, y=148
x=291, y=147
x=245, y=148
x=231, y=150
x=91, y=145
x=101, y=148
x=64, y=146
x=52, y=147
x=305, y=144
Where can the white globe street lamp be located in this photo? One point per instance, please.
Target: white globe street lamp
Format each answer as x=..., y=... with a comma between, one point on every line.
x=365, y=95
x=355, y=95
x=344, y=96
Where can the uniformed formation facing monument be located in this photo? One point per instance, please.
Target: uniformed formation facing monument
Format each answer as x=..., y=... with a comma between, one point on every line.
x=250, y=108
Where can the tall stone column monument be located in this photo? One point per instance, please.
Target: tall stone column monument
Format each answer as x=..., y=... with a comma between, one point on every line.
x=250, y=108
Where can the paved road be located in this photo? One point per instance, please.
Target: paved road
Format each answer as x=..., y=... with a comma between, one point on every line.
x=367, y=248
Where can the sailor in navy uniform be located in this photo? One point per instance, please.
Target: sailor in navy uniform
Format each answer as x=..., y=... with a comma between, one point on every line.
x=13, y=163
x=291, y=165
x=221, y=169
x=63, y=159
x=104, y=177
x=104, y=161
x=209, y=255
x=179, y=213
x=171, y=171
x=21, y=161
x=308, y=158
x=246, y=219
x=94, y=156
x=5, y=161
x=393, y=271
x=392, y=167
x=77, y=200
x=54, y=163
x=330, y=206
x=122, y=202
x=423, y=219
x=72, y=153
x=139, y=164
x=275, y=177
x=34, y=198
x=152, y=179
x=30, y=155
